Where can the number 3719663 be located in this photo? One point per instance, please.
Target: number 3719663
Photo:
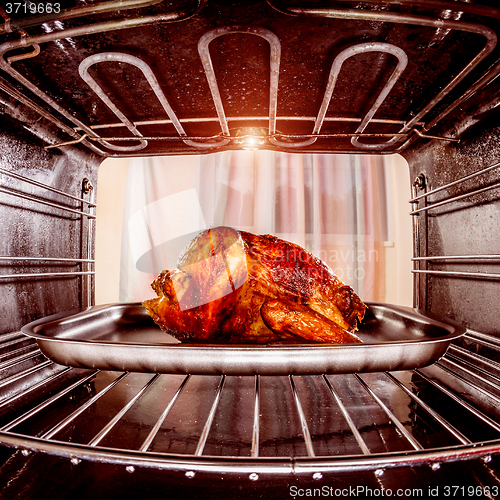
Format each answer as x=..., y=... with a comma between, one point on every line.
x=32, y=8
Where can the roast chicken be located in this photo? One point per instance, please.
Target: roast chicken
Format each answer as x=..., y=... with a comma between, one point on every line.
x=232, y=286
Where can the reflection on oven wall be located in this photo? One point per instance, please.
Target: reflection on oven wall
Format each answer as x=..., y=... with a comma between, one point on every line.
x=351, y=211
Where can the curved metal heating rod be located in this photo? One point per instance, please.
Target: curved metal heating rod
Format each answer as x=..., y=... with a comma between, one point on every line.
x=332, y=80
x=275, y=47
x=390, y=17
x=119, y=57
x=155, y=86
x=73, y=32
x=402, y=63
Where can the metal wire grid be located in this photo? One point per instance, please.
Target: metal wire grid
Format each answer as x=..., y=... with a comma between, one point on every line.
x=246, y=423
x=89, y=213
x=430, y=206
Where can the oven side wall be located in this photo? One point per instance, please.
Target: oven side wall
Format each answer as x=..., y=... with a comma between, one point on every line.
x=469, y=226
x=37, y=230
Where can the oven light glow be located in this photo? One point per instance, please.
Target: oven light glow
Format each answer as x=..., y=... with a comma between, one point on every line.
x=251, y=142
x=251, y=138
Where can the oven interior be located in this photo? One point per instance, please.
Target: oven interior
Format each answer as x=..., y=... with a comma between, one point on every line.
x=107, y=79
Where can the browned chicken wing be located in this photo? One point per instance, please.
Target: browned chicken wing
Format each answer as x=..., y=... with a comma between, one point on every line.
x=236, y=287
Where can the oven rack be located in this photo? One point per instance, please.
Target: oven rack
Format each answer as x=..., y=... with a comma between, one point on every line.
x=86, y=212
x=251, y=425
x=435, y=203
x=84, y=133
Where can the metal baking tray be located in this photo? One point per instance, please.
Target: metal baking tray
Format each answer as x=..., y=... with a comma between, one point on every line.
x=124, y=337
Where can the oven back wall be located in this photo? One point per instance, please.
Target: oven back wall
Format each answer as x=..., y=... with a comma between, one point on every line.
x=31, y=228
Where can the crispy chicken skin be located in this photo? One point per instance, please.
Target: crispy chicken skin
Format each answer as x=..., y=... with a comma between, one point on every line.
x=236, y=287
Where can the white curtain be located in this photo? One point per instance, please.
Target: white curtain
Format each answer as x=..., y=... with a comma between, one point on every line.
x=333, y=205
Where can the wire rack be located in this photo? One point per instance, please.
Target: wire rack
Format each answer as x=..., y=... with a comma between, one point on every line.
x=83, y=207
x=252, y=424
x=442, y=203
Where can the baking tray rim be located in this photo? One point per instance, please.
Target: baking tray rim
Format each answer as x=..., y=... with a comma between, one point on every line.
x=455, y=330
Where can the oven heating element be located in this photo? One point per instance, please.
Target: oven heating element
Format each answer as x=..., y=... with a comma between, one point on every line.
x=413, y=126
